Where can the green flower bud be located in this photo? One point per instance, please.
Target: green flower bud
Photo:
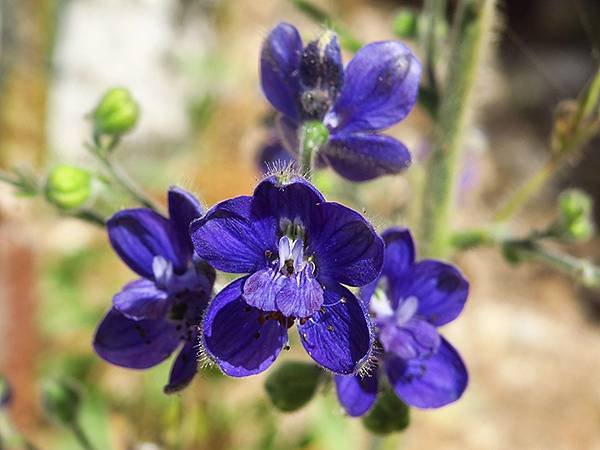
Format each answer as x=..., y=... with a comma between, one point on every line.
x=574, y=203
x=389, y=415
x=68, y=187
x=575, y=215
x=292, y=385
x=116, y=114
x=61, y=400
x=406, y=23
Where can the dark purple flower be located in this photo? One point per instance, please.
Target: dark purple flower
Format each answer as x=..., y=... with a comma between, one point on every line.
x=377, y=89
x=158, y=313
x=298, y=250
x=6, y=393
x=408, y=302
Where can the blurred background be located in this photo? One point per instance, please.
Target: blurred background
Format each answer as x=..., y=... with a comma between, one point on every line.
x=530, y=336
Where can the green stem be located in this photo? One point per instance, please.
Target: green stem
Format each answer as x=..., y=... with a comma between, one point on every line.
x=473, y=23
x=311, y=10
x=582, y=270
x=80, y=436
x=313, y=136
x=120, y=178
x=520, y=198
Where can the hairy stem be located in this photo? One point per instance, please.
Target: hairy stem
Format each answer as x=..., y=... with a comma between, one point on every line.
x=120, y=178
x=473, y=23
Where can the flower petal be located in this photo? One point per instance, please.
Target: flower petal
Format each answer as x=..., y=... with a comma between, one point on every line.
x=364, y=156
x=137, y=344
x=430, y=382
x=345, y=246
x=340, y=338
x=184, y=208
x=138, y=235
x=355, y=393
x=184, y=368
x=380, y=88
x=237, y=337
x=279, y=63
x=440, y=288
x=296, y=296
x=231, y=239
x=293, y=198
x=399, y=251
x=141, y=299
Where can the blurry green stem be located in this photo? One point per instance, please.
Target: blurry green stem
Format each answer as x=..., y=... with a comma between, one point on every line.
x=434, y=12
x=473, y=22
x=80, y=436
x=527, y=190
x=103, y=155
x=582, y=270
x=311, y=10
x=313, y=135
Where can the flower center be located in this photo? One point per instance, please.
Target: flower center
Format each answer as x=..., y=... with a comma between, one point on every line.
x=291, y=256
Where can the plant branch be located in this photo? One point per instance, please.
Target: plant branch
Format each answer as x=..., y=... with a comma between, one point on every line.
x=473, y=23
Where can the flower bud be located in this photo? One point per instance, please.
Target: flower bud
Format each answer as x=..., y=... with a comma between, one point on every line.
x=68, y=187
x=575, y=215
x=116, y=114
x=389, y=415
x=292, y=385
x=5, y=393
x=61, y=400
x=406, y=23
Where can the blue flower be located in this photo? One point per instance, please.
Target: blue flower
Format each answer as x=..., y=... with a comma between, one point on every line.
x=154, y=315
x=298, y=251
x=408, y=302
x=376, y=90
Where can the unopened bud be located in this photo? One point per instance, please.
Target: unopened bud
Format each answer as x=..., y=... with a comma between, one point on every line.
x=68, y=187
x=575, y=215
x=116, y=113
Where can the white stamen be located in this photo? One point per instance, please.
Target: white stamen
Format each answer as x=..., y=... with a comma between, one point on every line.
x=406, y=310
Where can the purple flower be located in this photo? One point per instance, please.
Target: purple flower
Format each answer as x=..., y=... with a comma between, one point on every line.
x=298, y=251
x=408, y=302
x=376, y=90
x=160, y=312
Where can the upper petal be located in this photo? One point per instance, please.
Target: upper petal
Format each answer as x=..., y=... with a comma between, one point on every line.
x=439, y=287
x=236, y=335
x=345, y=246
x=429, y=382
x=141, y=299
x=288, y=197
x=380, y=88
x=339, y=336
x=279, y=63
x=295, y=296
x=137, y=344
x=184, y=368
x=232, y=239
x=138, y=235
x=356, y=394
x=184, y=208
x=364, y=156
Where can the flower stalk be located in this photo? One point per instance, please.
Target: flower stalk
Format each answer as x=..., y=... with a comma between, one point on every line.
x=474, y=20
x=313, y=136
